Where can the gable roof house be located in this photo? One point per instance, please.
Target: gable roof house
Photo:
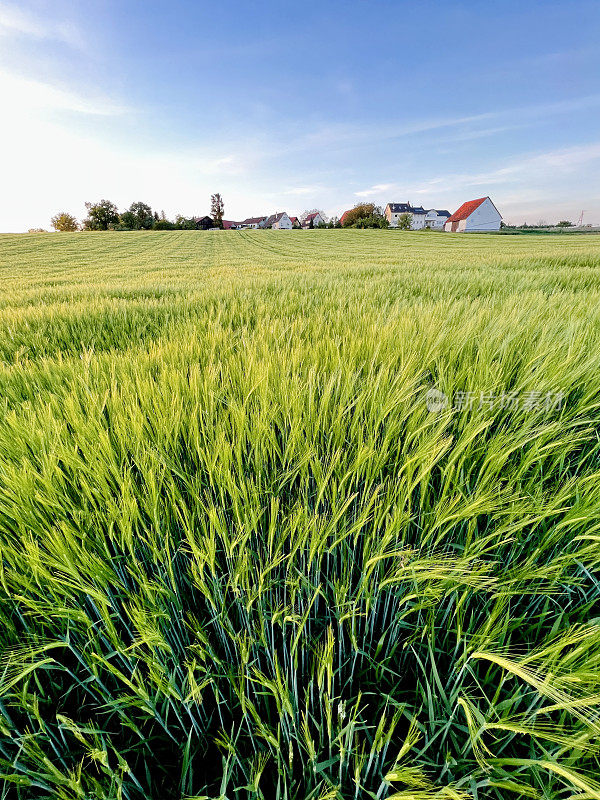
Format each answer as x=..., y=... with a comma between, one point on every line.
x=473, y=216
x=295, y=222
x=203, y=223
x=315, y=218
x=343, y=217
x=394, y=210
x=252, y=222
x=279, y=221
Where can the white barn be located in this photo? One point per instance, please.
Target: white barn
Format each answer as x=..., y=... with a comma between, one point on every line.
x=473, y=216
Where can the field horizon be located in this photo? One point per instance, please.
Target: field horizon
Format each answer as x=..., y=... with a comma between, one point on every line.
x=302, y=515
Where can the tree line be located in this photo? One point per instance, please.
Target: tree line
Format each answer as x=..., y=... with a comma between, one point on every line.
x=105, y=216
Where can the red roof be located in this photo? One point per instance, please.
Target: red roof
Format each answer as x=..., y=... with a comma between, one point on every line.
x=343, y=217
x=466, y=210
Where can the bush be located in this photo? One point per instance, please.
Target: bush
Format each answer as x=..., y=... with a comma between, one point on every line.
x=64, y=222
x=370, y=222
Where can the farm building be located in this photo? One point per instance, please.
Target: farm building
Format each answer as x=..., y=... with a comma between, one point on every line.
x=203, y=223
x=475, y=215
x=230, y=225
x=393, y=211
x=316, y=219
x=343, y=217
x=279, y=221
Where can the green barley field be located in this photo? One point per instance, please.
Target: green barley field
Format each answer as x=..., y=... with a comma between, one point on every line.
x=244, y=555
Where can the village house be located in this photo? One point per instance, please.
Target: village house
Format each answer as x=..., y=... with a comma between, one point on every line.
x=315, y=218
x=279, y=221
x=393, y=212
x=473, y=216
x=252, y=222
x=436, y=219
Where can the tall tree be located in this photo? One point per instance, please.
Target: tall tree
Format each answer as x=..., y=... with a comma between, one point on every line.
x=101, y=215
x=217, y=209
x=64, y=222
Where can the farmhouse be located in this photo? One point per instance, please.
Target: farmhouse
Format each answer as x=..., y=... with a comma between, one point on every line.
x=474, y=215
x=203, y=223
x=315, y=218
x=279, y=221
x=252, y=222
x=393, y=211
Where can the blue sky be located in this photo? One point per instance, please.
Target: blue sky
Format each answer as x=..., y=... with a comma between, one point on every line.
x=294, y=106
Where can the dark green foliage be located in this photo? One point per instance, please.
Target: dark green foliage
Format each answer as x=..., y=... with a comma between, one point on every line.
x=138, y=217
x=101, y=216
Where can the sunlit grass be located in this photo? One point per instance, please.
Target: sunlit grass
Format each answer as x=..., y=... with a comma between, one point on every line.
x=240, y=557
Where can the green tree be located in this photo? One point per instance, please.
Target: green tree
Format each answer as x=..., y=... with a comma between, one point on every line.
x=360, y=211
x=564, y=223
x=404, y=221
x=184, y=223
x=217, y=209
x=101, y=216
x=138, y=217
x=64, y=222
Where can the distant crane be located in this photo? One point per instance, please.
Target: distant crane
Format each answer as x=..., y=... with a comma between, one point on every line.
x=580, y=220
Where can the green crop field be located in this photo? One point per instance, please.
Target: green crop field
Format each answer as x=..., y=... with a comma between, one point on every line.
x=248, y=551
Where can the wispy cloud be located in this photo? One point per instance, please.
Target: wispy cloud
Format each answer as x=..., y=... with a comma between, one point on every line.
x=303, y=190
x=529, y=176
x=376, y=190
x=14, y=21
x=25, y=96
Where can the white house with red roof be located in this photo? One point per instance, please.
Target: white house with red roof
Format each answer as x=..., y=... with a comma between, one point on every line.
x=315, y=218
x=473, y=216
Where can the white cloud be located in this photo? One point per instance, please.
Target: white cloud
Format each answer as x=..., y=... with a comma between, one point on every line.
x=25, y=96
x=378, y=189
x=303, y=190
x=16, y=22
x=539, y=183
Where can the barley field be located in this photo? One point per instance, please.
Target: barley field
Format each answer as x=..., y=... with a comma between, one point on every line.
x=299, y=516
